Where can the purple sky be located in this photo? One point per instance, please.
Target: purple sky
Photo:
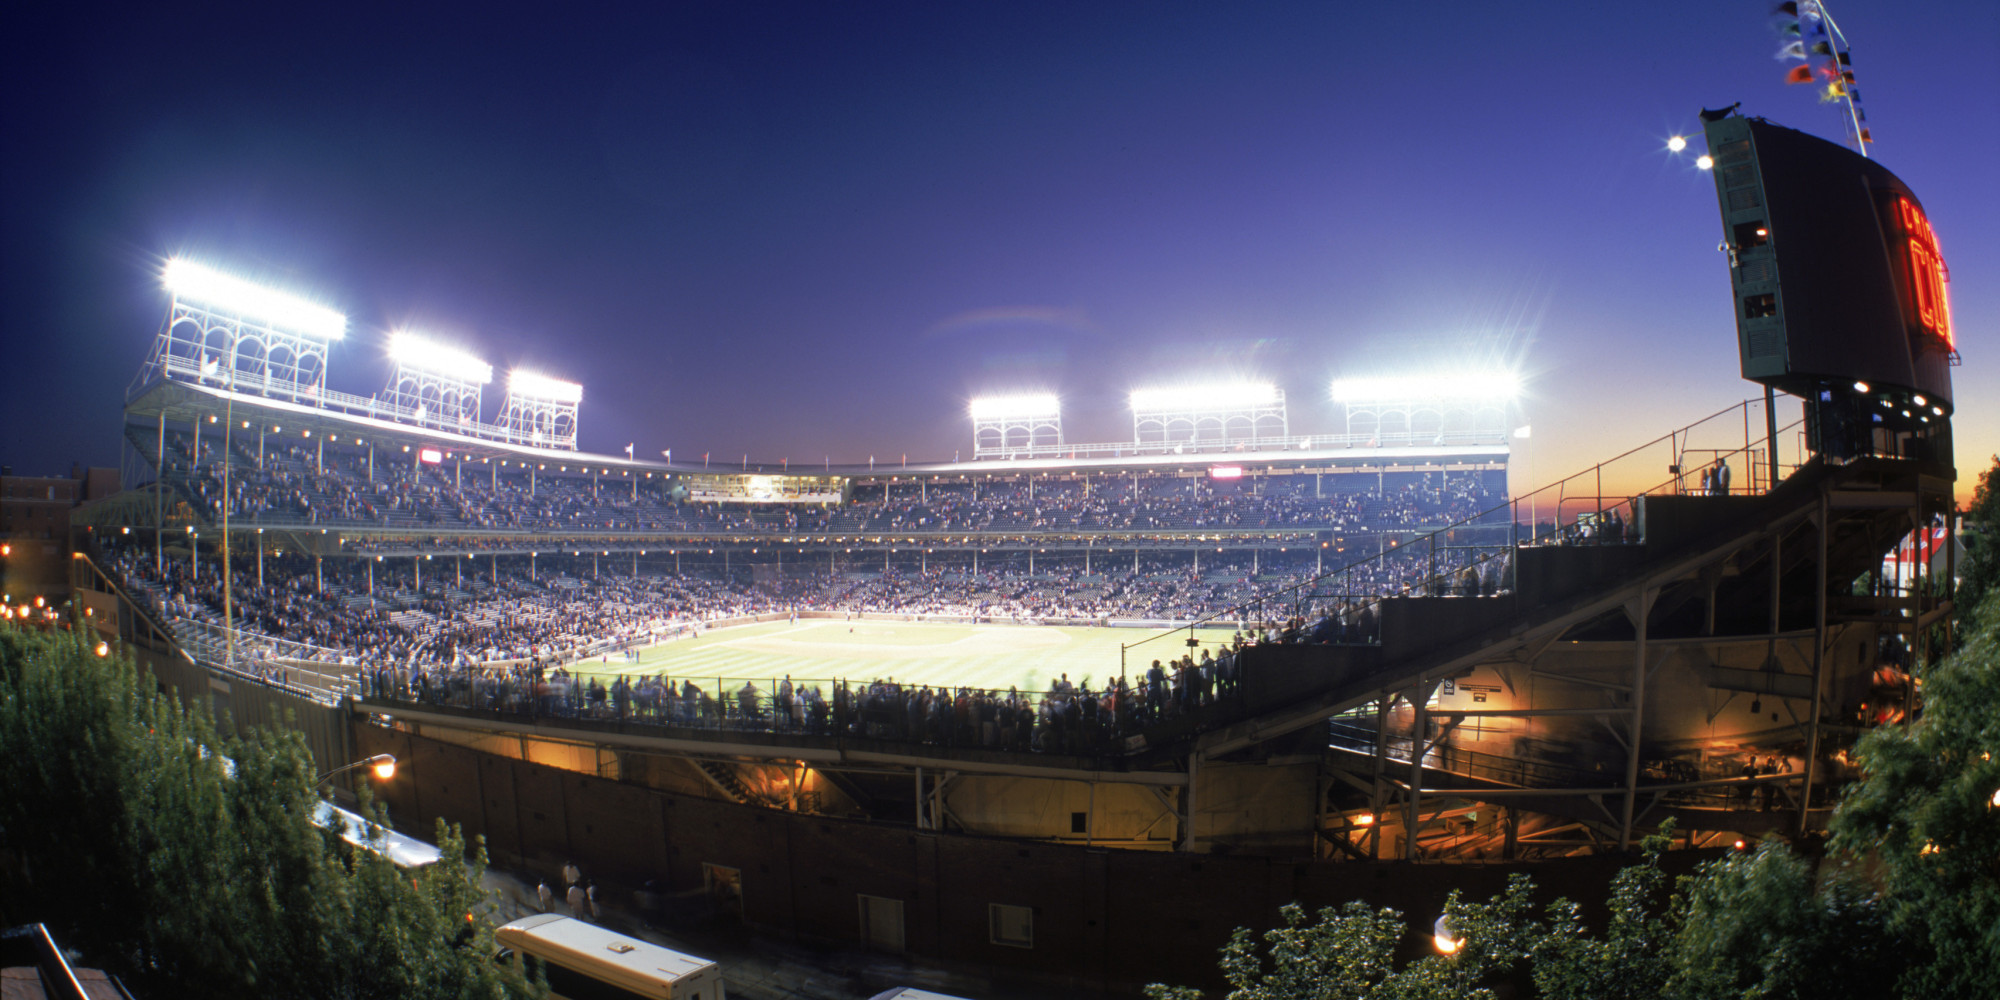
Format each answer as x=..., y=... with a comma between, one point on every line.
x=817, y=230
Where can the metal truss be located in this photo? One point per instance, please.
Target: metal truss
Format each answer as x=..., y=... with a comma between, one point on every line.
x=441, y=401
x=542, y=423
x=1195, y=423
x=1419, y=418
x=215, y=347
x=1014, y=433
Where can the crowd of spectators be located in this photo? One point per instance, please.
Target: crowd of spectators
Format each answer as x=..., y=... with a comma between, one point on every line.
x=289, y=482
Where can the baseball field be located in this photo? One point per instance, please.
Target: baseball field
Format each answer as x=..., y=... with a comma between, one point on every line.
x=982, y=656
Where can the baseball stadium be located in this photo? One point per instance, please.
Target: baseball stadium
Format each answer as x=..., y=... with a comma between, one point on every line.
x=1005, y=711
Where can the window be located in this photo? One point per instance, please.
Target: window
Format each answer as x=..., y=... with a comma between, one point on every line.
x=881, y=922
x=573, y=985
x=1078, y=823
x=1760, y=306
x=1012, y=926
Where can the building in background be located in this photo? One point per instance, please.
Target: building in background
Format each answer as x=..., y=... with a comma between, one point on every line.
x=34, y=528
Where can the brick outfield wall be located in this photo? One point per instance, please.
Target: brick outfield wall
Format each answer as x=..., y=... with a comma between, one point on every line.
x=1103, y=918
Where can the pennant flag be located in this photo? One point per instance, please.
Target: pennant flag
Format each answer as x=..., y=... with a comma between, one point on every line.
x=1849, y=77
x=1799, y=74
x=1853, y=95
x=1821, y=48
x=1865, y=137
x=1846, y=59
x=1796, y=50
x=1860, y=115
x=1791, y=28
x=1788, y=7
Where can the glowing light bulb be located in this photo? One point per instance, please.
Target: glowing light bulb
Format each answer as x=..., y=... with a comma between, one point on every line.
x=1677, y=143
x=1705, y=163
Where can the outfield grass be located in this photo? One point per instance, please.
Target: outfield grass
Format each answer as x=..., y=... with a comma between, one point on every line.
x=982, y=656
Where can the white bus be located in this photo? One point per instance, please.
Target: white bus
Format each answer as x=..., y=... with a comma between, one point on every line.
x=404, y=850
x=586, y=962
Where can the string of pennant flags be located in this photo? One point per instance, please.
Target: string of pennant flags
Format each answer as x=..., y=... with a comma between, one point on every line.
x=1811, y=37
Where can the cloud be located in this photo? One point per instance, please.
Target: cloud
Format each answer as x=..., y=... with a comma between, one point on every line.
x=1051, y=319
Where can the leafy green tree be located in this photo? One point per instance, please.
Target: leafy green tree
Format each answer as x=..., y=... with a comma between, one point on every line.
x=1349, y=954
x=136, y=843
x=1764, y=925
x=1925, y=811
x=1630, y=959
x=1979, y=575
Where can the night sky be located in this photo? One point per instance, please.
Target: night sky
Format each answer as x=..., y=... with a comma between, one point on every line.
x=817, y=230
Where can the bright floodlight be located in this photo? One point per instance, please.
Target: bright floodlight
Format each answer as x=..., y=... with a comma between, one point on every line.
x=1215, y=396
x=406, y=348
x=1705, y=163
x=527, y=383
x=1677, y=143
x=1459, y=385
x=1005, y=407
x=195, y=283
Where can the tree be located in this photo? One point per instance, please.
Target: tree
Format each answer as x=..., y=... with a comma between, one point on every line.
x=1980, y=573
x=1927, y=810
x=1742, y=927
x=1350, y=953
x=136, y=843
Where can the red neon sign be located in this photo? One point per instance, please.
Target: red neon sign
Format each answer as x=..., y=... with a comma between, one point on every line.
x=1924, y=275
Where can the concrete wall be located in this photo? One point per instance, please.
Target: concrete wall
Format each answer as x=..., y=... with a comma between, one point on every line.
x=1103, y=917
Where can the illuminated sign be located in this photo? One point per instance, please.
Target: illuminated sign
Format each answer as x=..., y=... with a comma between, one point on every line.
x=430, y=456
x=1925, y=302
x=1225, y=472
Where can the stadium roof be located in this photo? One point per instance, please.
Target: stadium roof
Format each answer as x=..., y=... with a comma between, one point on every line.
x=182, y=400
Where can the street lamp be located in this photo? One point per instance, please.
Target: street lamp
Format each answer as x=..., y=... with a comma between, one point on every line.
x=383, y=764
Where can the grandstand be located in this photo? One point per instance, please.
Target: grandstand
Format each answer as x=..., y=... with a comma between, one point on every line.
x=1282, y=653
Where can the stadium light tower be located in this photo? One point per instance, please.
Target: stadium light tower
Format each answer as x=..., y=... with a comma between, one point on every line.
x=1216, y=412
x=1003, y=424
x=540, y=410
x=433, y=384
x=227, y=331
x=1422, y=409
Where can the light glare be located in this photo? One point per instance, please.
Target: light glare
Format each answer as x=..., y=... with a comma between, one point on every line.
x=1213, y=396
x=195, y=283
x=1677, y=143
x=1002, y=407
x=411, y=350
x=1495, y=386
x=1705, y=163
x=527, y=383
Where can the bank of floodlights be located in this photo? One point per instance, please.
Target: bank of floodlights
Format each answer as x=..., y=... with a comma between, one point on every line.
x=540, y=410
x=434, y=385
x=1212, y=412
x=1421, y=409
x=225, y=330
x=1011, y=424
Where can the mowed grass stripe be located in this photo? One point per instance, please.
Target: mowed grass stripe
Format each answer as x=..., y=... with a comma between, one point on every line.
x=983, y=656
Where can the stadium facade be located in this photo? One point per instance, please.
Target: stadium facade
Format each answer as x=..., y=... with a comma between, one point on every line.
x=1369, y=654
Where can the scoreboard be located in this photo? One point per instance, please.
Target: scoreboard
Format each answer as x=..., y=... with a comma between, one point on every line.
x=1840, y=288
